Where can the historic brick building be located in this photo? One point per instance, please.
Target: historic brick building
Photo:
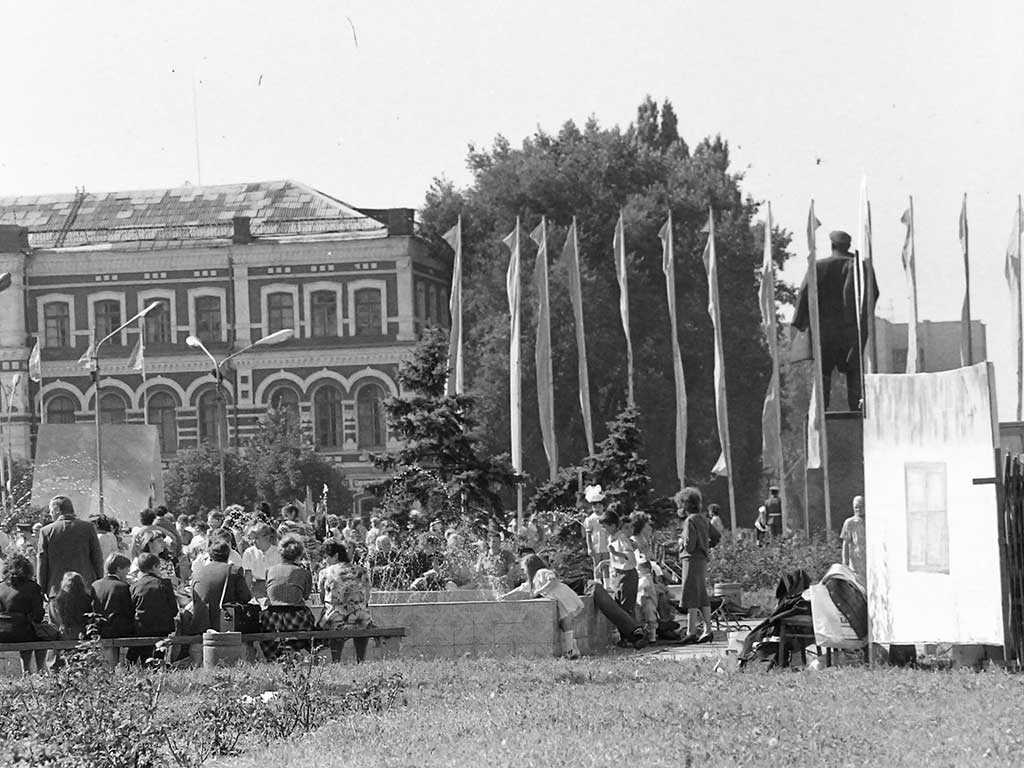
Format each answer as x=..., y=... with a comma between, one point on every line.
x=229, y=264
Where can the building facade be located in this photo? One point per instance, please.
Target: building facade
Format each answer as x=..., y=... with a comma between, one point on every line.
x=938, y=344
x=230, y=265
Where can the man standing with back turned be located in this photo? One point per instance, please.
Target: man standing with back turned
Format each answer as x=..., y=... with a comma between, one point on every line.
x=67, y=544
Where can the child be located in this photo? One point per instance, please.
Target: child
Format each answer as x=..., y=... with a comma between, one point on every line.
x=155, y=605
x=541, y=581
x=112, y=598
x=647, y=599
x=69, y=606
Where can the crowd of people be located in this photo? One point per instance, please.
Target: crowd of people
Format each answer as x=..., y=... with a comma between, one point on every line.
x=191, y=573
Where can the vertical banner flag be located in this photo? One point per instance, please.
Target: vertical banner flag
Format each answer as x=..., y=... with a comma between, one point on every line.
x=514, y=365
x=35, y=373
x=137, y=359
x=669, y=268
x=910, y=267
x=86, y=360
x=619, y=245
x=571, y=256
x=816, y=447
x=137, y=362
x=722, y=466
x=456, y=381
x=866, y=290
x=966, y=342
x=1012, y=271
x=542, y=349
x=771, y=416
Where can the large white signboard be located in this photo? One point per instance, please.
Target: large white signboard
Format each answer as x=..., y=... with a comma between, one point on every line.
x=932, y=533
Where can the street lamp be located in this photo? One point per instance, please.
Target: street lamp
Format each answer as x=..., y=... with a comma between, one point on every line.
x=94, y=358
x=7, y=464
x=5, y=283
x=218, y=375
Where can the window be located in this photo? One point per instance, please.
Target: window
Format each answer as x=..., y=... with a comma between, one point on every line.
x=443, y=309
x=163, y=415
x=927, y=523
x=432, y=315
x=207, y=310
x=286, y=399
x=158, y=324
x=324, y=314
x=280, y=312
x=108, y=319
x=56, y=324
x=421, y=303
x=60, y=409
x=112, y=409
x=367, y=314
x=370, y=420
x=327, y=414
x=210, y=415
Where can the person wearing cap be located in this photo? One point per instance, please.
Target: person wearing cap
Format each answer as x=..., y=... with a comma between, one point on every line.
x=843, y=334
x=597, y=538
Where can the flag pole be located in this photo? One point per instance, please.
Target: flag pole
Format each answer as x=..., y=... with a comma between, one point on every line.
x=967, y=285
x=772, y=332
x=1020, y=319
x=142, y=360
x=818, y=393
x=871, y=292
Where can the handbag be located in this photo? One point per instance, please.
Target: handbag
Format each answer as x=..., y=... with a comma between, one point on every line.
x=237, y=617
x=45, y=631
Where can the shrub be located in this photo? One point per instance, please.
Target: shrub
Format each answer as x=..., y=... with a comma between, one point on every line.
x=741, y=560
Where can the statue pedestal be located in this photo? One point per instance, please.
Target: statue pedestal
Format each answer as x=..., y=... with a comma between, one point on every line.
x=845, y=430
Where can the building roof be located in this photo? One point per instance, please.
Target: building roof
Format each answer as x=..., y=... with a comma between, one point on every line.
x=163, y=216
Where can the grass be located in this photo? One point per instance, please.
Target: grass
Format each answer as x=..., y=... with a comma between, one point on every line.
x=649, y=711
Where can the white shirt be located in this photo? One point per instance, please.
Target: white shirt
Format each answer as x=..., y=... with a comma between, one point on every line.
x=257, y=562
x=204, y=559
x=596, y=533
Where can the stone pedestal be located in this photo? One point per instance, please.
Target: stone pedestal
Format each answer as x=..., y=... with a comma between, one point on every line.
x=845, y=433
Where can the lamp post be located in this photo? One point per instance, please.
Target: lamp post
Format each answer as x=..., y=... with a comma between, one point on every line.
x=6, y=449
x=95, y=360
x=218, y=376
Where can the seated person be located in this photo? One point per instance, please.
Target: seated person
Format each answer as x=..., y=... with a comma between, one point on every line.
x=497, y=564
x=155, y=606
x=112, y=598
x=384, y=565
x=259, y=557
x=153, y=542
x=423, y=567
x=21, y=605
x=69, y=606
x=215, y=584
x=219, y=534
x=345, y=588
x=289, y=585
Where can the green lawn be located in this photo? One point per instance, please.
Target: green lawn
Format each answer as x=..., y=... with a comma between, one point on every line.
x=645, y=711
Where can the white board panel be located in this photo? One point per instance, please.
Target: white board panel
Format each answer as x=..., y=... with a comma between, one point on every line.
x=932, y=534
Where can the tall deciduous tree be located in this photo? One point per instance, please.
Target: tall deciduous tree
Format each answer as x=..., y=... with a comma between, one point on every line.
x=440, y=465
x=644, y=171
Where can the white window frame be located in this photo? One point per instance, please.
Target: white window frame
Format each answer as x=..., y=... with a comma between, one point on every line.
x=151, y=294
x=54, y=298
x=117, y=296
x=355, y=285
x=265, y=291
x=221, y=293
x=331, y=286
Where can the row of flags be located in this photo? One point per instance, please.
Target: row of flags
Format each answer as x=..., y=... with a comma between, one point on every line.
x=543, y=353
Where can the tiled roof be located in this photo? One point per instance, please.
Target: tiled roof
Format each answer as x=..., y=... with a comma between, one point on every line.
x=276, y=208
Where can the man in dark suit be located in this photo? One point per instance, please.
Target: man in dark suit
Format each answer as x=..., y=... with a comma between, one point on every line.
x=841, y=346
x=67, y=544
x=112, y=598
x=155, y=606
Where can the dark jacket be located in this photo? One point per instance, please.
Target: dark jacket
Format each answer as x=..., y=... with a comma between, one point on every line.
x=19, y=607
x=207, y=588
x=112, y=598
x=155, y=606
x=68, y=544
x=696, y=537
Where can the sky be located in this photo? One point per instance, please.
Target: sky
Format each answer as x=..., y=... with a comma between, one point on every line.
x=369, y=101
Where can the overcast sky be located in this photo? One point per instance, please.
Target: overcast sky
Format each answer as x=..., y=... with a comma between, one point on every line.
x=368, y=101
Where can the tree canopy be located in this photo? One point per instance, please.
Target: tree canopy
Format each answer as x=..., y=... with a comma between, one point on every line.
x=643, y=171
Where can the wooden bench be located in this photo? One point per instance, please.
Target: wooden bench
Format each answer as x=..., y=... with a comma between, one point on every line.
x=114, y=645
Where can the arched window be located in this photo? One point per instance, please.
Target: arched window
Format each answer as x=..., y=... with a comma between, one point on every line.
x=108, y=319
x=210, y=415
x=60, y=409
x=370, y=417
x=112, y=409
x=163, y=414
x=287, y=399
x=327, y=414
x=280, y=312
x=367, y=314
x=323, y=308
